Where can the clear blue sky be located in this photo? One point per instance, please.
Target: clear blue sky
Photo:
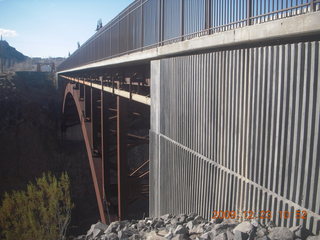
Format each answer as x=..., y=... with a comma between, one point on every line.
x=52, y=28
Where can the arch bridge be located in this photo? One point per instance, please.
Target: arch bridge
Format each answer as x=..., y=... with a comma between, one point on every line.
x=202, y=106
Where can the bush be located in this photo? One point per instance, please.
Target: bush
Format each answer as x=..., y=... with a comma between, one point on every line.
x=42, y=212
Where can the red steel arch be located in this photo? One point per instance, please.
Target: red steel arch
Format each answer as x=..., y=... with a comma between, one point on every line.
x=96, y=165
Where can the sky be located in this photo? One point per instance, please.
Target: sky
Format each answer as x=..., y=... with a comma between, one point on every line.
x=52, y=28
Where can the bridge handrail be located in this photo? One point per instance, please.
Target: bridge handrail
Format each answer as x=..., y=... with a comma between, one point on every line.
x=147, y=24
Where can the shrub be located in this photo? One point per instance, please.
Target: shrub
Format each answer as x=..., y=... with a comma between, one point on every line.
x=41, y=212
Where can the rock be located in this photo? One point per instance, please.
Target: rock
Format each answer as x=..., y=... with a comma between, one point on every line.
x=281, y=233
x=300, y=232
x=174, y=221
x=221, y=236
x=181, y=230
x=169, y=235
x=97, y=233
x=159, y=224
x=190, y=225
x=90, y=231
x=208, y=235
x=270, y=225
x=244, y=227
x=191, y=217
x=182, y=218
x=262, y=238
x=178, y=228
x=314, y=237
x=216, y=220
x=135, y=237
x=123, y=235
x=141, y=224
x=198, y=219
x=255, y=223
x=95, y=230
x=261, y=232
x=179, y=237
x=223, y=227
x=230, y=235
x=112, y=236
x=112, y=227
x=240, y=235
x=199, y=228
x=101, y=226
x=166, y=216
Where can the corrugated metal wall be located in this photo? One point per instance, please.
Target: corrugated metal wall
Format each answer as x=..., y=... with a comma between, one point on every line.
x=237, y=130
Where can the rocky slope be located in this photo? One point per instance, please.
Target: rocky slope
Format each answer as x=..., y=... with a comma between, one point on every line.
x=9, y=56
x=193, y=226
x=10, y=53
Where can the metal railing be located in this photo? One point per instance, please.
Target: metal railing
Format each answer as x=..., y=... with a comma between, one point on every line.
x=146, y=24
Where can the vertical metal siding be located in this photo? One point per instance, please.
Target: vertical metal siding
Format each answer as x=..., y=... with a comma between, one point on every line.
x=239, y=130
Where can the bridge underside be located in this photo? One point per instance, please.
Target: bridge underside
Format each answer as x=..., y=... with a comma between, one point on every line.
x=115, y=131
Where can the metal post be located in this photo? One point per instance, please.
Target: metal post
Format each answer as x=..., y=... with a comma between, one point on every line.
x=161, y=22
x=312, y=6
x=122, y=156
x=248, y=12
x=182, y=18
x=142, y=24
x=208, y=17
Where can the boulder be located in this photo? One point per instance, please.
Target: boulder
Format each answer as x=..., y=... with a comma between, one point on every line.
x=181, y=230
x=314, y=237
x=281, y=233
x=190, y=225
x=208, y=235
x=244, y=227
x=112, y=227
x=300, y=232
x=96, y=233
x=221, y=236
x=240, y=235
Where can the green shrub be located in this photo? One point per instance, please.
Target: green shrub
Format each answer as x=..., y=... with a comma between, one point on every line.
x=42, y=212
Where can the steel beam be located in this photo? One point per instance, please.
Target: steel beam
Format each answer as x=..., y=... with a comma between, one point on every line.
x=81, y=98
x=105, y=137
x=87, y=102
x=122, y=156
x=95, y=120
x=135, y=97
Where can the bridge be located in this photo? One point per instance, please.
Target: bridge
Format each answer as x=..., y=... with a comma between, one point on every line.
x=202, y=106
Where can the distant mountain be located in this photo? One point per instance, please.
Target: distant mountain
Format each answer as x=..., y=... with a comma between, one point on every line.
x=9, y=53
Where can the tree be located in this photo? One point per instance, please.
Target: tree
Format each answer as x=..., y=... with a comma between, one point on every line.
x=42, y=211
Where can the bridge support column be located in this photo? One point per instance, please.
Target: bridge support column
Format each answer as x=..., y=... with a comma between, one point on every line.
x=87, y=102
x=122, y=156
x=105, y=142
x=95, y=122
x=81, y=98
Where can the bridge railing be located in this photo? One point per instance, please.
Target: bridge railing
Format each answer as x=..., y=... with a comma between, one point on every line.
x=146, y=24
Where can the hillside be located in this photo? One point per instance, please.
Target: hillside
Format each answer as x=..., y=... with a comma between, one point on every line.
x=10, y=53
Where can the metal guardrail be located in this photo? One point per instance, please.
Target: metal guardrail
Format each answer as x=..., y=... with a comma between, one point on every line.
x=146, y=24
